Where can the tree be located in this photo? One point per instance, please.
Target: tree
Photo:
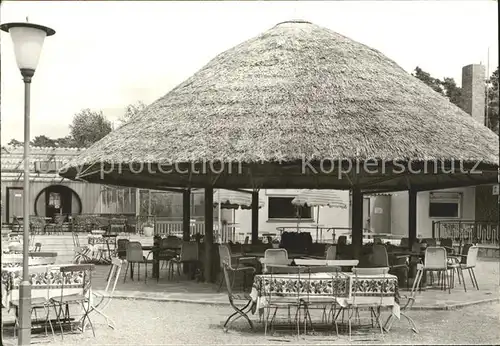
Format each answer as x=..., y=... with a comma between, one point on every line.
x=452, y=91
x=131, y=111
x=15, y=143
x=43, y=141
x=65, y=142
x=425, y=77
x=88, y=127
x=492, y=102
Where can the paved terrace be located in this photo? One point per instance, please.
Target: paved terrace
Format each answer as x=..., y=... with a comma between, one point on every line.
x=191, y=291
x=182, y=290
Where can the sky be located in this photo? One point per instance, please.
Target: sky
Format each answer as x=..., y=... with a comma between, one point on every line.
x=106, y=55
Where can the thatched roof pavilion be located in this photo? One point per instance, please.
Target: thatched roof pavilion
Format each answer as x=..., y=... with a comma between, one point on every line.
x=276, y=106
x=296, y=92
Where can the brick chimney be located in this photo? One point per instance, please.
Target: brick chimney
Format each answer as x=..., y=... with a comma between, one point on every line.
x=473, y=91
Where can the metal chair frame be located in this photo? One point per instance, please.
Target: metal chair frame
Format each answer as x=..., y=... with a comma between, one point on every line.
x=239, y=311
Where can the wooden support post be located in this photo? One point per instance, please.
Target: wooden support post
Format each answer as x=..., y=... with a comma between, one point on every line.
x=255, y=217
x=186, y=220
x=357, y=223
x=186, y=215
x=412, y=217
x=209, y=234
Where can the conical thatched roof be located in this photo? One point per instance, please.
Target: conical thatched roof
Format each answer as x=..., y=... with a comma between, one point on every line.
x=296, y=92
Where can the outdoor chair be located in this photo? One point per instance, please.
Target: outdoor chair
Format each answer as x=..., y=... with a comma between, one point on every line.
x=168, y=251
x=275, y=300
x=405, y=242
x=226, y=259
x=468, y=260
x=409, y=303
x=135, y=256
x=82, y=253
x=104, y=299
x=189, y=254
x=38, y=303
x=342, y=240
x=117, y=224
x=375, y=308
x=436, y=261
x=447, y=243
x=57, y=226
x=233, y=298
x=380, y=258
x=429, y=241
x=331, y=253
x=82, y=298
x=275, y=256
x=37, y=225
x=38, y=247
x=122, y=248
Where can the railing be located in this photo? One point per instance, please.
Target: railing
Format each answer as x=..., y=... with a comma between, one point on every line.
x=175, y=228
x=320, y=234
x=467, y=231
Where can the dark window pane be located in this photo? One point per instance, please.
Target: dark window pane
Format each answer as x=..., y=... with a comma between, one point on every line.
x=443, y=209
x=282, y=208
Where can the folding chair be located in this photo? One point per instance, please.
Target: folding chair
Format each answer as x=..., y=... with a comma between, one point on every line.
x=241, y=312
x=37, y=303
x=409, y=303
x=331, y=252
x=268, y=289
x=105, y=299
x=81, y=252
x=375, y=309
x=82, y=298
x=226, y=257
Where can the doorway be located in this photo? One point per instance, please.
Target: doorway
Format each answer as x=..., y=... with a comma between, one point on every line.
x=58, y=200
x=14, y=208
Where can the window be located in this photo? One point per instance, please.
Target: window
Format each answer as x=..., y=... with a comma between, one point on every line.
x=282, y=208
x=445, y=205
x=55, y=199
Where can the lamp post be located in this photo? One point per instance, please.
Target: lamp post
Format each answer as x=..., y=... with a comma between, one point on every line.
x=27, y=39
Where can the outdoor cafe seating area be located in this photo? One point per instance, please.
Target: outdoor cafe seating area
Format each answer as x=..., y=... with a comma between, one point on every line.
x=296, y=283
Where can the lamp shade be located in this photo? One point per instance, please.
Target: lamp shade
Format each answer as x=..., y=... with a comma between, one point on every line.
x=28, y=41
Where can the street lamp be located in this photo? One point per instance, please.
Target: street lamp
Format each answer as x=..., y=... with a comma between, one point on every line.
x=27, y=39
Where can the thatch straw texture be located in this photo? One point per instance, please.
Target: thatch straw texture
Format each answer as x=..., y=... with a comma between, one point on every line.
x=297, y=91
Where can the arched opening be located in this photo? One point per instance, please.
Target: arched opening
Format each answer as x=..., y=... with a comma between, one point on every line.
x=57, y=200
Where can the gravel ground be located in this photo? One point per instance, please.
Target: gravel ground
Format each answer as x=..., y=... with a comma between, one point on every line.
x=147, y=322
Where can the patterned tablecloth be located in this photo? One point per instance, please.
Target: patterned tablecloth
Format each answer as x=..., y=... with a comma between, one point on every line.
x=46, y=281
x=343, y=288
x=8, y=261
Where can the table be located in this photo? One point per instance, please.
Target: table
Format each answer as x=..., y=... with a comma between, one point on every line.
x=291, y=255
x=16, y=260
x=156, y=250
x=342, y=288
x=324, y=262
x=46, y=280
